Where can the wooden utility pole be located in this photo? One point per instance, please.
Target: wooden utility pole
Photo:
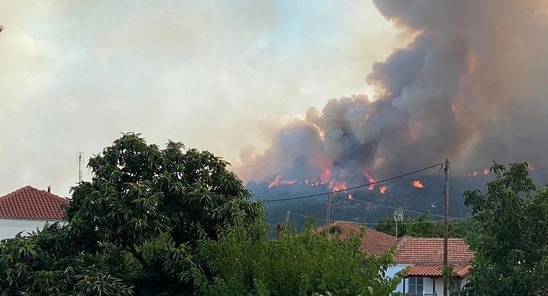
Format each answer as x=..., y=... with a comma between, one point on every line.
x=328, y=216
x=445, y=226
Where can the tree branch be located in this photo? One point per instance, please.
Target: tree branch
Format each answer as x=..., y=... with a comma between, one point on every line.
x=139, y=257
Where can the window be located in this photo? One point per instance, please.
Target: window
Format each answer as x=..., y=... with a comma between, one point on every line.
x=415, y=285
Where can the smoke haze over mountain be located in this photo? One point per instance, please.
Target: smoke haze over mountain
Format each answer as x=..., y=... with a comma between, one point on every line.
x=470, y=86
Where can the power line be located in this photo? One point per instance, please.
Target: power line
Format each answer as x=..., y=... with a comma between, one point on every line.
x=355, y=187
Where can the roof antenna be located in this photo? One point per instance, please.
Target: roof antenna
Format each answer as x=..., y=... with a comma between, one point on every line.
x=79, y=167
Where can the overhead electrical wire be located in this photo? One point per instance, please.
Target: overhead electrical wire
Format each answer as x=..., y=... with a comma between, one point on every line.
x=352, y=188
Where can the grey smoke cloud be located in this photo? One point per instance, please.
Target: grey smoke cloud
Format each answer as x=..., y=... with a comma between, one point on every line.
x=470, y=87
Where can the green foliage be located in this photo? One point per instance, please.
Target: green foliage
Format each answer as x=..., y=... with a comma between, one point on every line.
x=136, y=227
x=46, y=263
x=511, y=243
x=142, y=197
x=423, y=226
x=246, y=262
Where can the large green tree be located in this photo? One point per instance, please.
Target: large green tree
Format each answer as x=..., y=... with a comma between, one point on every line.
x=246, y=262
x=511, y=242
x=47, y=263
x=158, y=205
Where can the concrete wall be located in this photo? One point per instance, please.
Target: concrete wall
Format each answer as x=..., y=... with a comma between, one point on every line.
x=10, y=227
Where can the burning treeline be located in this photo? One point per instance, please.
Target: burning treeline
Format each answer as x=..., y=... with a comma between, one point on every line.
x=333, y=184
x=469, y=87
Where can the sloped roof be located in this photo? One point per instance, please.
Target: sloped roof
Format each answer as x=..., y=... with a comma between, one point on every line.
x=423, y=255
x=436, y=271
x=373, y=241
x=376, y=242
x=32, y=204
x=425, y=251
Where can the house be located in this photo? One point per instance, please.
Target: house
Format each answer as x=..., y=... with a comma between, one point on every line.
x=422, y=258
x=28, y=209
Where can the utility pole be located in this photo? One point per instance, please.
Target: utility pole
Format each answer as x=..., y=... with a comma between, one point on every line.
x=445, y=225
x=328, y=216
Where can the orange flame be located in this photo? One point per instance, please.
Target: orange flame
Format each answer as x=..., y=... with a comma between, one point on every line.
x=486, y=171
x=336, y=186
x=383, y=189
x=325, y=175
x=277, y=182
x=474, y=173
x=370, y=180
x=418, y=184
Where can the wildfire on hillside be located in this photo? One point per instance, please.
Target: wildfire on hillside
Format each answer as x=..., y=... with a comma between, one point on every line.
x=383, y=189
x=277, y=182
x=370, y=180
x=418, y=184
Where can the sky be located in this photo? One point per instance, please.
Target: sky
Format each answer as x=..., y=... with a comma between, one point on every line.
x=215, y=75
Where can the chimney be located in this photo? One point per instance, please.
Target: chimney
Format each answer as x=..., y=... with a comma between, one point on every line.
x=49, y=189
x=279, y=230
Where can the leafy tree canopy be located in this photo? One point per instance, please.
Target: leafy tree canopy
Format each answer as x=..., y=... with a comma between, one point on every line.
x=46, y=263
x=246, y=262
x=139, y=222
x=511, y=243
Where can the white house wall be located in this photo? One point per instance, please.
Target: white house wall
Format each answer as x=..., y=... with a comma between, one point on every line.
x=10, y=227
x=392, y=271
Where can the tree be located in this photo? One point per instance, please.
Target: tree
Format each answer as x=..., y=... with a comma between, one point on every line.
x=46, y=263
x=246, y=262
x=157, y=205
x=511, y=242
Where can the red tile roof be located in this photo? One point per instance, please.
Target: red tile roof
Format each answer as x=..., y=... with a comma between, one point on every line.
x=426, y=251
x=436, y=271
x=424, y=255
x=32, y=204
x=373, y=241
x=376, y=242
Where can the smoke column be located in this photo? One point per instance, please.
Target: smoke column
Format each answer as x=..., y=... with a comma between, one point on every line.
x=471, y=86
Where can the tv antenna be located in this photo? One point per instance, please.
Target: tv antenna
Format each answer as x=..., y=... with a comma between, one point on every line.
x=398, y=217
x=80, y=156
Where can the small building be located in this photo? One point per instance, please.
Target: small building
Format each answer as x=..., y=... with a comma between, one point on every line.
x=422, y=258
x=28, y=209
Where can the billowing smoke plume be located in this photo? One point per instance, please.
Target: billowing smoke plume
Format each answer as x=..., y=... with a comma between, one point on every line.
x=471, y=87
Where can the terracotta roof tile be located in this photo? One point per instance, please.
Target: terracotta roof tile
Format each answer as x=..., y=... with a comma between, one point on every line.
x=435, y=271
x=424, y=255
x=32, y=204
x=424, y=251
x=373, y=242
